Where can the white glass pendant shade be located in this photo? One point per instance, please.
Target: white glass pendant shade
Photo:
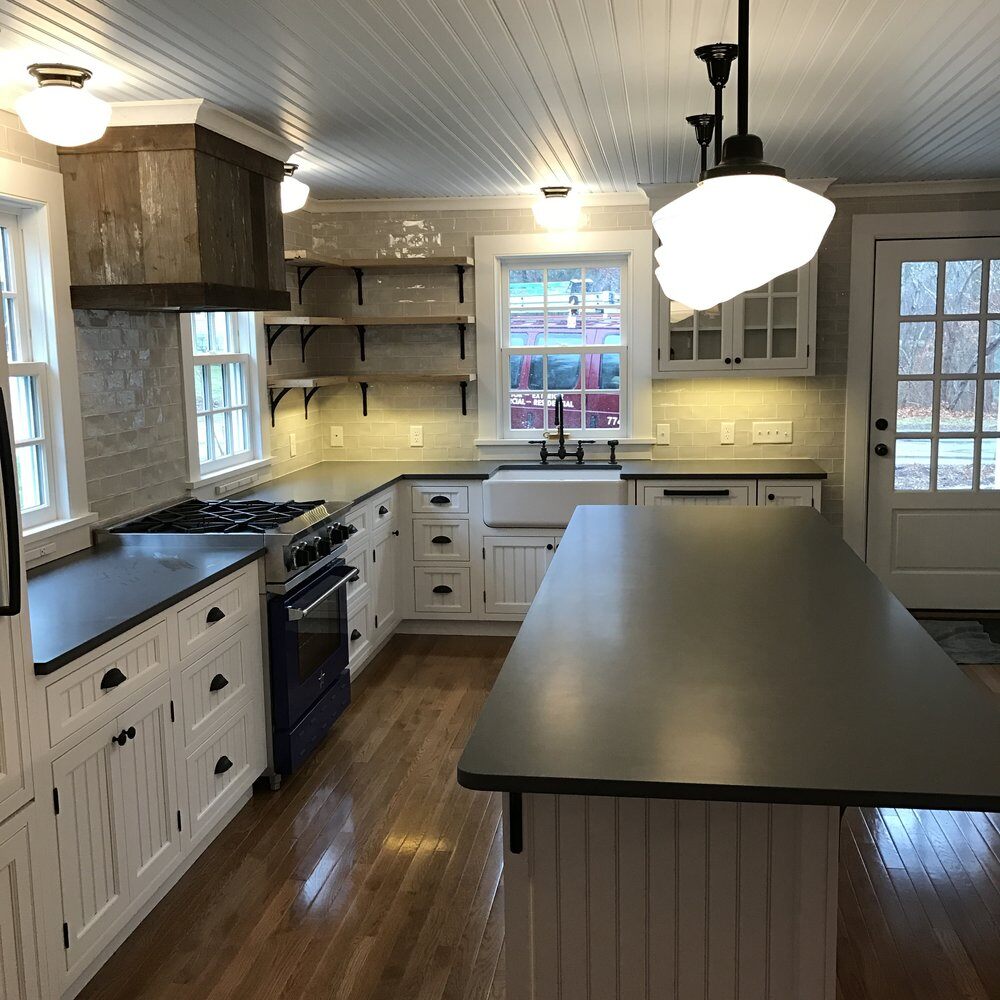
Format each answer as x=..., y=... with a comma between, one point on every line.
x=294, y=193
x=558, y=209
x=734, y=233
x=60, y=111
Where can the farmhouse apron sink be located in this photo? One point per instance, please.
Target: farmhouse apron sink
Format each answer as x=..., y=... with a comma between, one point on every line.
x=547, y=497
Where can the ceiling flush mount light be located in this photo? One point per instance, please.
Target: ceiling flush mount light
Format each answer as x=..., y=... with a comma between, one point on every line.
x=558, y=208
x=294, y=193
x=59, y=110
x=745, y=223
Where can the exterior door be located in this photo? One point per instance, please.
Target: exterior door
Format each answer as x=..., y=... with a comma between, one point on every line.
x=934, y=492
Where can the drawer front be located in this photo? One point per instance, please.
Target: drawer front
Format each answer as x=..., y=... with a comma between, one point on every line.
x=384, y=508
x=105, y=682
x=357, y=590
x=359, y=632
x=782, y=493
x=204, y=620
x=443, y=538
x=357, y=518
x=212, y=685
x=440, y=499
x=442, y=590
x=224, y=768
x=709, y=493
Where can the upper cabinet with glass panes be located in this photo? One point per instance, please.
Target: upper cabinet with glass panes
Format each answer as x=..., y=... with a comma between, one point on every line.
x=768, y=331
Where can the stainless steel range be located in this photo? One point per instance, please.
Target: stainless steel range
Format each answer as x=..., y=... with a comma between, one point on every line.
x=306, y=578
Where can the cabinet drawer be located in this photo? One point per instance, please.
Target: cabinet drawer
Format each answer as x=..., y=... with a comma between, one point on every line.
x=212, y=685
x=223, y=769
x=384, y=508
x=440, y=538
x=357, y=518
x=359, y=632
x=440, y=499
x=442, y=590
x=105, y=682
x=782, y=493
x=206, y=618
x=707, y=493
x=357, y=590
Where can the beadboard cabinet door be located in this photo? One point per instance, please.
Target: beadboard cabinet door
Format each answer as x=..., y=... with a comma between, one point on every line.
x=20, y=974
x=385, y=544
x=515, y=565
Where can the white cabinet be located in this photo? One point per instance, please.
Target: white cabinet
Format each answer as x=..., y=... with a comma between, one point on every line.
x=700, y=493
x=14, y=780
x=442, y=590
x=787, y=493
x=515, y=565
x=440, y=539
x=384, y=579
x=20, y=911
x=770, y=330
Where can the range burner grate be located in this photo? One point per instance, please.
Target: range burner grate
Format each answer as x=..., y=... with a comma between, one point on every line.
x=198, y=517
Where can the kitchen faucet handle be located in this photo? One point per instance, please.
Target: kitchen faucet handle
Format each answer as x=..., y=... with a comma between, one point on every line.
x=613, y=444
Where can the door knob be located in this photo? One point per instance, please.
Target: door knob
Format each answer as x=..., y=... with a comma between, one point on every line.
x=881, y=450
x=882, y=424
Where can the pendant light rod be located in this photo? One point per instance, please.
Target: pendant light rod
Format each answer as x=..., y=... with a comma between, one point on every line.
x=718, y=59
x=704, y=126
x=743, y=69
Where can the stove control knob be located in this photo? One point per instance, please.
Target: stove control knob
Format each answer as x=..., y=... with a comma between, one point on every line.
x=338, y=534
x=300, y=556
x=323, y=546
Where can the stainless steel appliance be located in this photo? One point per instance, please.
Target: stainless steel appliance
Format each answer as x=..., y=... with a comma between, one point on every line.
x=306, y=580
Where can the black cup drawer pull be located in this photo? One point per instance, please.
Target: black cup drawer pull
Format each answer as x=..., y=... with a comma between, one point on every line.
x=215, y=615
x=440, y=500
x=441, y=540
x=112, y=679
x=383, y=510
x=218, y=682
x=442, y=588
x=223, y=764
x=355, y=635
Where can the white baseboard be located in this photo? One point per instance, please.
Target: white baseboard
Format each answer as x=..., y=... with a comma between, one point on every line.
x=419, y=626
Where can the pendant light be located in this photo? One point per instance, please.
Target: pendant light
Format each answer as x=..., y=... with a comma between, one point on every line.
x=557, y=209
x=59, y=110
x=294, y=193
x=745, y=223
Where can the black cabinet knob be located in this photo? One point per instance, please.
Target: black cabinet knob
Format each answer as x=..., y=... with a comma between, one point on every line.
x=355, y=635
x=121, y=738
x=727, y=361
x=881, y=450
x=223, y=764
x=442, y=589
x=130, y=732
x=215, y=615
x=218, y=682
x=882, y=424
x=550, y=546
x=440, y=500
x=737, y=361
x=112, y=679
x=441, y=540
x=770, y=496
x=396, y=532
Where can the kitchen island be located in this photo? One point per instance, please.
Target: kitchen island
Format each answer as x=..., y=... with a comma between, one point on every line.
x=692, y=699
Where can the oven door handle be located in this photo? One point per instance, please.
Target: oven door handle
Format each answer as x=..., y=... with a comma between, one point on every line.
x=296, y=614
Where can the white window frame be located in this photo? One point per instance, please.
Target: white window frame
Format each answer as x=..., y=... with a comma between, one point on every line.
x=249, y=329
x=34, y=195
x=630, y=248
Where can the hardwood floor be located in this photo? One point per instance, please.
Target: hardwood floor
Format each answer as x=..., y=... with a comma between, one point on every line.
x=372, y=875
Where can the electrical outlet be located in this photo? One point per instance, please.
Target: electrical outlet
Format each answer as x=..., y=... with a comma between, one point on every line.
x=416, y=436
x=336, y=437
x=663, y=433
x=728, y=433
x=293, y=448
x=772, y=431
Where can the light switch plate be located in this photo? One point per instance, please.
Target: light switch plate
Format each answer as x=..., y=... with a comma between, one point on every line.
x=293, y=448
x=663, y=433
x=416, y=436
x=772, y=431
x=336, y=437
x=728, y=433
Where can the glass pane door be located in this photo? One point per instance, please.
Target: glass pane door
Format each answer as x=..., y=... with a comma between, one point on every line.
x=692, y=340
x=772, y=323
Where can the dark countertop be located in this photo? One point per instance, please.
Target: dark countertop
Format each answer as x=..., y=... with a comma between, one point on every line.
x=725, y=468
x=80, y=602
x=732, y=654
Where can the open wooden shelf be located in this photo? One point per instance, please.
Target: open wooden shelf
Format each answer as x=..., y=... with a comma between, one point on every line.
x=307, y=263
x=372, y=378
x=278, y=386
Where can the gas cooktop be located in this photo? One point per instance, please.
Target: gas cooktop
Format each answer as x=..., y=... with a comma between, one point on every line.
x=220, y=516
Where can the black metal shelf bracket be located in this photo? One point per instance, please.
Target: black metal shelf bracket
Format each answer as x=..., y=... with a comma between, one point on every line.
x=272, y=334
x=465, y=408
x=305, y=335
x=274, y=399
x=361, y=339
x=304, y=273
x=364, y=398
x=277, y=397
x=461, y=340
x=307, y=394
x=461, y=283
x=359, y=277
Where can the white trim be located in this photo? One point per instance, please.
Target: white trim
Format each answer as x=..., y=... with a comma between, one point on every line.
x=890, y=189
x=622, y=199
x=637, y=302
x=198, y=111
x=231, y=478
x=866, y=231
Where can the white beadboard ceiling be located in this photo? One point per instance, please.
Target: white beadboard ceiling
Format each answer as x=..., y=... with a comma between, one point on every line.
x=398, y=98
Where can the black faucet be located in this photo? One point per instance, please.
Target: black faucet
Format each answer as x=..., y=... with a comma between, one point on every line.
x=562, y=430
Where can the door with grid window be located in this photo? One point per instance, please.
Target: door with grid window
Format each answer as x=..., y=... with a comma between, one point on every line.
x=934, y=492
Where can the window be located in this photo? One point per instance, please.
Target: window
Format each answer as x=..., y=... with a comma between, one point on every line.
x=563, y=333
x=223, y=402
x=29, y=377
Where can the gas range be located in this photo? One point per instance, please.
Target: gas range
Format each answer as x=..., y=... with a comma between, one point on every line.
x=300, y=538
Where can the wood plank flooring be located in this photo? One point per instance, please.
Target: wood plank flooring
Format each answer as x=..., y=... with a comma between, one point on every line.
x=372, y=875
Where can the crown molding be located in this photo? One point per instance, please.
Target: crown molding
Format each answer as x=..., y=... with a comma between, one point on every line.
x=623, y=199
x=891, y=189
x=198, y=111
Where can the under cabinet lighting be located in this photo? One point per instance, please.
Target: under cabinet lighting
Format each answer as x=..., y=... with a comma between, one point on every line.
x=59, y=110
x=294, y=193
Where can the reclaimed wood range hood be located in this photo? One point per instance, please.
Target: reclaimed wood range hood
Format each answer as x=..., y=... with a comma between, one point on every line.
x=177, y=206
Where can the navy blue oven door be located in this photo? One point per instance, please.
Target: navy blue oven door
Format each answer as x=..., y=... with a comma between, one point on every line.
x=308, y=640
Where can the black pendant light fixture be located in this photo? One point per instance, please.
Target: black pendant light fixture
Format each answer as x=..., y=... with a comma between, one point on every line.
x=745, y=223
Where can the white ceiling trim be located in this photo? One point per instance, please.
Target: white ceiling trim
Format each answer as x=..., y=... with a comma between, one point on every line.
x=625, y=199
x=896, y=189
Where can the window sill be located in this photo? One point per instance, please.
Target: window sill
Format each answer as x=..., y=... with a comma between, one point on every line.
x=570, y=440
x=229, y=479
x=56, y=539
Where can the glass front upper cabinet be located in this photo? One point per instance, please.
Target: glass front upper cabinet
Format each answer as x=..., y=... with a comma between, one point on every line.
x=770, y=330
